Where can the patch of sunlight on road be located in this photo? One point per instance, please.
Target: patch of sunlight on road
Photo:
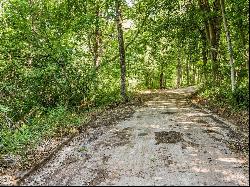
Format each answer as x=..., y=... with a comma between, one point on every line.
x=231, y=160
x=202, y=170
x=198, y=114
x=186, y=122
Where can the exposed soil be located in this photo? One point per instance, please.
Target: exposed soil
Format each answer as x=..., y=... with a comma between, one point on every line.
x=164, y=142
x=168, y=137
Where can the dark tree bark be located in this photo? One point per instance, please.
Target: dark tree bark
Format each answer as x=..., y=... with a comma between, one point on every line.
x=194, y=74
x=187, y=71
x=212, y=28
x=161, y=80
x=121, y=49
x=215, y=30
x=179, y=71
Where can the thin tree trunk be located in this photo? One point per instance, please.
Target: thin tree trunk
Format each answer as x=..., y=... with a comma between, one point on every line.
x=230, y=48
x=187, y=71
x=178, y=83
x=121, y=49
x=161, y=80
x=194, y=74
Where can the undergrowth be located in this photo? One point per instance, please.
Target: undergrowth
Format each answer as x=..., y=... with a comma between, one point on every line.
x=56, y=122
x=223, y=96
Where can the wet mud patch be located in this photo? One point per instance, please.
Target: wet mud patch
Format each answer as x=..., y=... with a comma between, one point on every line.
x=168, y=137
x=206, y=125
x=168, y=112
x=142, y=134
x=209, y=131
x=199, y=121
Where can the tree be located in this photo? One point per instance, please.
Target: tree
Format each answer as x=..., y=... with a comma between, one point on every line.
x=212, y=23
x=121, y=49
x=179, y=70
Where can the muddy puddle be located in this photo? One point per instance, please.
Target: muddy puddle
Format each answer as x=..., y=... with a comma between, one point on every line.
x=168, y=137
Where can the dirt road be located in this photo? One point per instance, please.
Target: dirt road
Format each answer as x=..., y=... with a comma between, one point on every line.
x=165, y=142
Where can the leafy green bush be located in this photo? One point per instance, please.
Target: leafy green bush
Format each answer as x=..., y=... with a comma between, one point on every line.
x=57, y=122
x=240, y=97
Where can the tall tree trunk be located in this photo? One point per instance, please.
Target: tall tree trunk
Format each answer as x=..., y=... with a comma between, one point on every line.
x=216, y=30
x=187, y=71
x=161, y=80
x=178, y=82
x=194, y=74
x=230, y=48
x=121, y=49
x=212, y=29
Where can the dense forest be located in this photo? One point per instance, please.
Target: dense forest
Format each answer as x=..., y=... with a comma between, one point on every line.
x=62, y=58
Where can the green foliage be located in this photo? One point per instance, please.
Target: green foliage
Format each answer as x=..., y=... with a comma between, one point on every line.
x=57, y=122
x=240, y=97
x=237, y=100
